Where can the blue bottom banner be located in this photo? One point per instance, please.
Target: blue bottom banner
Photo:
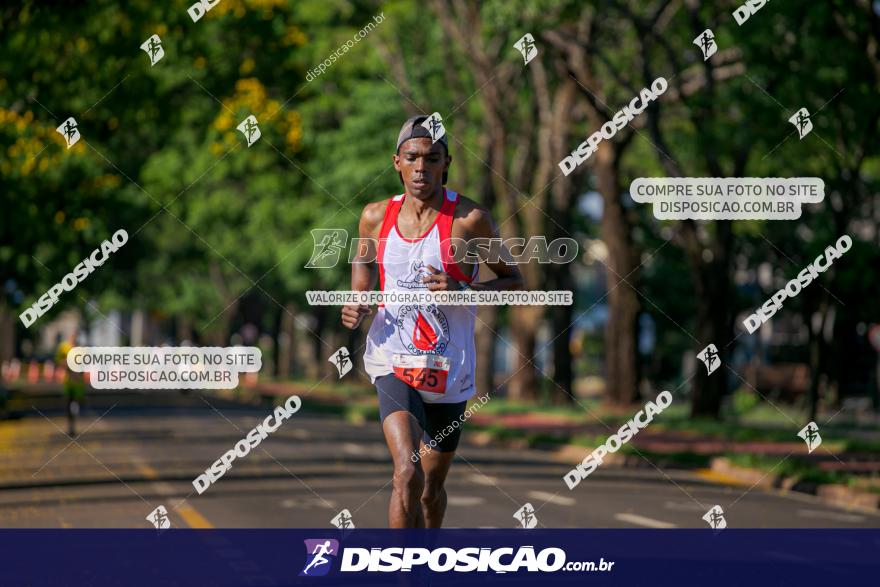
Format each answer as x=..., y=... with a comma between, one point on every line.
x=241, y=558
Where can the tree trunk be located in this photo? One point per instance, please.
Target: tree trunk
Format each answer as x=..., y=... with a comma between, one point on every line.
x=7, y=332
x=712, y=284
x=524, y=322
x=621, y=352
x=285, y=344
x=561, y=318
x=485, y=347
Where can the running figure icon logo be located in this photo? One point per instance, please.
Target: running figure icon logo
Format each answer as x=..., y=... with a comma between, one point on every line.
x=801, y=121
x=319, y=554
x=710, y=358
x=250, y=130
x=69, y=131
x=715, y=518
x=526, y=46
x=342, y=360
x=810, y=434
x=526, y=516
x=343, y=520
x=159, y=518
x=434, y=125
x=153, y=48
x=327, y=248
x=706, y=42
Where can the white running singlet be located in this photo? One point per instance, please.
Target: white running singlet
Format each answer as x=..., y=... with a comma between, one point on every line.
x=430, y=347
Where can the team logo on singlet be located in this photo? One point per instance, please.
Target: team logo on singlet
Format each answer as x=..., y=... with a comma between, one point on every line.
x=423, y=330
x=418, y=271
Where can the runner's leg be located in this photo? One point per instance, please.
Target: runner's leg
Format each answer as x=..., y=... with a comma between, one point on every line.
x=402, y=416
x=443, y=431
x=436, y=465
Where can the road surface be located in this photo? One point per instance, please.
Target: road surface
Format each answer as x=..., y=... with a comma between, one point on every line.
x=139, y=450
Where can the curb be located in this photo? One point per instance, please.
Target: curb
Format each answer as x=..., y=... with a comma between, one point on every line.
x=831, y=494
x=720, y=470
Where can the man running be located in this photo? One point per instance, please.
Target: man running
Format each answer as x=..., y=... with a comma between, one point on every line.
x=421, y=358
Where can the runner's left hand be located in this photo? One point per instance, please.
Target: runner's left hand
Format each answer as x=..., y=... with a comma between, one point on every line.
x=439, y=281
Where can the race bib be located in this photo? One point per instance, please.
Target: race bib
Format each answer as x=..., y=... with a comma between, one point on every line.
x=422, y=372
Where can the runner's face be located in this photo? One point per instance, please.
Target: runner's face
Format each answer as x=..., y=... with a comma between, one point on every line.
x=422, y=163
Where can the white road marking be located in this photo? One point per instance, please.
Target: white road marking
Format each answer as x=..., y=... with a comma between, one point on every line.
x=353, y=449
x=687, y=506
x=830, y=515
x=552, y=498
x=306, y=503
x=464, y=501
x=483, y=480
x=642, y=521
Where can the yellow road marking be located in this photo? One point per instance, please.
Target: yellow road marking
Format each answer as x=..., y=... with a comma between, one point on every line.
x=147, y=471
x=193, y=518
x=716, y=477
x=7, y=435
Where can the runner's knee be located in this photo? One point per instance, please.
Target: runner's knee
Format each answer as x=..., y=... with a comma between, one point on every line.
x=433, y=493
x=408, y=480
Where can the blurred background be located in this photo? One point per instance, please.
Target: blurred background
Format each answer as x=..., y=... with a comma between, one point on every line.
x=219, y=234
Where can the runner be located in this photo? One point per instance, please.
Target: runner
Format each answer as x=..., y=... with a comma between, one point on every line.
x=421, y=358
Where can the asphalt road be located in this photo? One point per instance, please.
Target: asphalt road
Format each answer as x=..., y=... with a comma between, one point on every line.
x=140, y=450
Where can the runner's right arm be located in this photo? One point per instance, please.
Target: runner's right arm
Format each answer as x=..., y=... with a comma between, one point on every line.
x=364, y=269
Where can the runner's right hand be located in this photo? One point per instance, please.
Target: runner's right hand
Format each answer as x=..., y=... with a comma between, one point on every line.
x=352, y=315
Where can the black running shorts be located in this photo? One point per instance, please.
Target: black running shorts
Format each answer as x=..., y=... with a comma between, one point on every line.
x=435, y=419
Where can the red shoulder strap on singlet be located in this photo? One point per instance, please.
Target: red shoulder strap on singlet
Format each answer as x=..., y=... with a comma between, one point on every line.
x=391, y=211
x=447, y=214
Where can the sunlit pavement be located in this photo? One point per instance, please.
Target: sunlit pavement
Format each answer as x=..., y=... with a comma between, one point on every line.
x=136, y=451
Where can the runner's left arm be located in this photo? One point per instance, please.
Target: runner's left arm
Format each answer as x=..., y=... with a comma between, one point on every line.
x=508, y=274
